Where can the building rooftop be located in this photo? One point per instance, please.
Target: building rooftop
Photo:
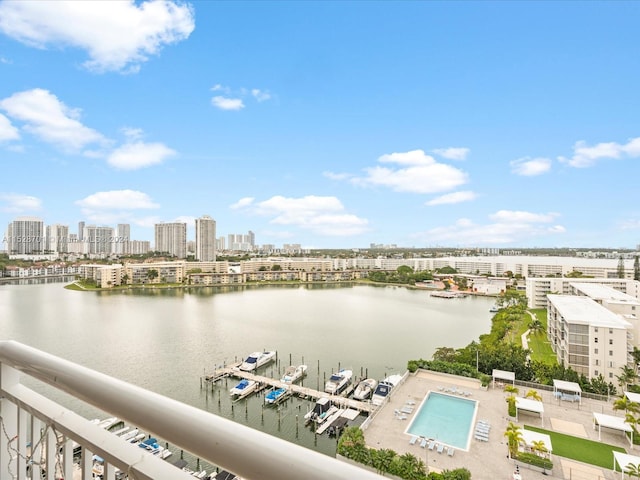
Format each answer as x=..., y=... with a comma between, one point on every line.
x=585, y=311
x=602, y=292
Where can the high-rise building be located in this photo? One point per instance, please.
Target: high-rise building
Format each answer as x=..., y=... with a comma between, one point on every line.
x=25, y=236
x=80, y=231
x=242, y=242
x=205, y=239
x=123, y=238
x=171, y=238
x=98, y=240
x=57, y=238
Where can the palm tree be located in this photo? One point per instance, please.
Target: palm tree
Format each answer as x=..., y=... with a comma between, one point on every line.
x=536, y=327
x=632, y=470
x=533, y=394
x=539, y=447
x=627, y=376
x=627, y=405
x=511, y=389
x=514, y=437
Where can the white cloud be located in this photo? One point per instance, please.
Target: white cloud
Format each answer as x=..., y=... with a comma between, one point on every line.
x=507, y=227
x=260, y=95
x=7, y=131
x=242, y=203
x=320, y=215
x=226, y=103
x=17, y=203
x=530, y=167
x=452, y=153
x=336, y=176
x=132, y=156
x=587, y=156
x=50, y=120
x=455, y=197
x=118, y=200
x=420, y=173
x=221, y=88
x=132, y=134
x=117, y=36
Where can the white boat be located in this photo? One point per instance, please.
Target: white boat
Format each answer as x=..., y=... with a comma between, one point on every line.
x=244, y=388
x=494, y=308
x=365, y=388
x=321, y=410
x=256, y=360
x=292, y=374
x=275, y=396
x=338, y=382
x=384, y=388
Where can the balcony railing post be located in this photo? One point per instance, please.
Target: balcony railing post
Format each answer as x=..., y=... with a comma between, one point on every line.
x=9, y=425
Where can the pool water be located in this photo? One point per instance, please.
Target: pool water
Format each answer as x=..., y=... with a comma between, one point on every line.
x=445, y=418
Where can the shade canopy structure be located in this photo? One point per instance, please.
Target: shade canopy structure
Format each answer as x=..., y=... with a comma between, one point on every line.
x=503, y=375
x=615, y=423
x=624, y=460
x=633, y=397
x=564, y=390
x=530, y=405
x=529, y=436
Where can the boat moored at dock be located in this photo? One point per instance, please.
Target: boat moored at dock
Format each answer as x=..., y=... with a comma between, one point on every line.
x=256, y=360
x=276, y=396
x=384, y=388
x=292, y=374
x=365, y=388
x=243, y=388
x=338, y=382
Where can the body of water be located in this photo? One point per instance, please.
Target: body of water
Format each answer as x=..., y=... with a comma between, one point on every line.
x=165, y=340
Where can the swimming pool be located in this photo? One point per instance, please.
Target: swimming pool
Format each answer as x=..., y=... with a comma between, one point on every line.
x=445, y=418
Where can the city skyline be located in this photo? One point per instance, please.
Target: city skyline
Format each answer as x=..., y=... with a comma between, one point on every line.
x=329, y=125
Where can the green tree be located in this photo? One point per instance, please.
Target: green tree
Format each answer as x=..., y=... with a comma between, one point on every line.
x=514, y=437
x=632, y=470
x=382, y=459
x=445, y=354
x=152, y=274
x=627, y=376
x=620, y=270
x=536, y=327
x=533, y=394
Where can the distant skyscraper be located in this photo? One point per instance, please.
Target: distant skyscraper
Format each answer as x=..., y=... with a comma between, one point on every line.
x=98, y=240
x=171, y=238
x=57, y=238
x=25, y=236
x=123, y=238
x=205, y=239
x=80, y=231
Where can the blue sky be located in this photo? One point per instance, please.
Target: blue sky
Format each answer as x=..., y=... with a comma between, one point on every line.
x=328, y=124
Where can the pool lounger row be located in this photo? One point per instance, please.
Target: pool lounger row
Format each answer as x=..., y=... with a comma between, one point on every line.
x=483, y=437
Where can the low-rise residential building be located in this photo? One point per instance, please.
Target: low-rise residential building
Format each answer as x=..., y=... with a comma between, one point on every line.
x=588, y=337
x=539, y=287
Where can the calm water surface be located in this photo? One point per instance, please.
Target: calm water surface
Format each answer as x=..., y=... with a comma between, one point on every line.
x=164, y=340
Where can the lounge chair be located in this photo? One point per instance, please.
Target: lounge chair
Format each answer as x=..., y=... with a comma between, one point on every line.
x=407, y=409
x=413, y=440
x=432, y=445
x=423, y=443
x=401, y=417
x=450, y=451
x=440, y=448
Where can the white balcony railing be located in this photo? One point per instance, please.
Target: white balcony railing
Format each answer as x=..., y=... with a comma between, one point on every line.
x=32, y=425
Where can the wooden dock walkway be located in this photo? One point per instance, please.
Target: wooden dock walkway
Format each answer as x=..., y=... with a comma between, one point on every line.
x=233, y=371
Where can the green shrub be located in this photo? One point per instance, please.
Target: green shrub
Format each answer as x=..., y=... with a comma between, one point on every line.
x=535, y=460
x=511, y=402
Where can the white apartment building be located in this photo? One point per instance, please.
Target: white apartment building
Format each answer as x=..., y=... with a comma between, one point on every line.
x=98, y=240
x=26, y=236
x=57, y=238
x=587, y=337
x=539, y=287
x=122, y=240
x=205, y=239
x=171, y=238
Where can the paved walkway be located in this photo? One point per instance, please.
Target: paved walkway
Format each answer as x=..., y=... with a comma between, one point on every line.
x=488, y=460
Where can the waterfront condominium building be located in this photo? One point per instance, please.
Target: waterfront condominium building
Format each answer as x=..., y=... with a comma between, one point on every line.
x=57, y=238
x=25, y=236
x=98, y=240
x=205, y=239
x=122, y=239
x=171, y=238
x=588, y=337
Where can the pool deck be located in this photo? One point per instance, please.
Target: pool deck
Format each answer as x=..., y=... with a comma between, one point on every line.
x=488, y=460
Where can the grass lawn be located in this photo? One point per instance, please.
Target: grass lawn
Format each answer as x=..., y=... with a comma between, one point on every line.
x=580, y=449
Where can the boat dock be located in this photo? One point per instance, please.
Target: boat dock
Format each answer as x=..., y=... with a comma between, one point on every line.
x=299, y=390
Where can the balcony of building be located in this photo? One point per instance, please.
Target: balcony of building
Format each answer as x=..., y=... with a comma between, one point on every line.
x=38, y=436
